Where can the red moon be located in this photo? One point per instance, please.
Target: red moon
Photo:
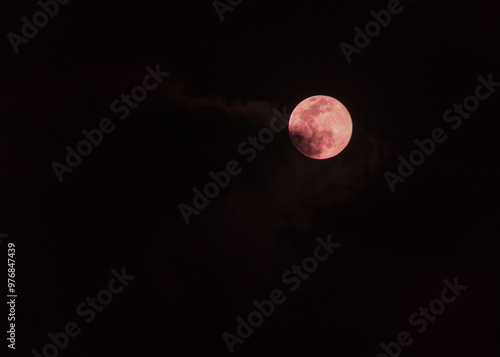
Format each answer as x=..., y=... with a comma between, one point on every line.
x=320, y=127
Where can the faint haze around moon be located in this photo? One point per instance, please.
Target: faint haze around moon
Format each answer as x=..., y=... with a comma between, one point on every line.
x=320, y=127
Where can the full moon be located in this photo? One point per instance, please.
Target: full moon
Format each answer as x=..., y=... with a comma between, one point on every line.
x=320, y=127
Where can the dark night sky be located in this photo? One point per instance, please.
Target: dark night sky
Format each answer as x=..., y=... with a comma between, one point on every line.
x=119, y=208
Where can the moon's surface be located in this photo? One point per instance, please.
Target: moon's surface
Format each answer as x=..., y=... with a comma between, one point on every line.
x=320, y=127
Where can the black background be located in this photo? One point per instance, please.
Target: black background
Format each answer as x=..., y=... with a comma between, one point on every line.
x=119, y=208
